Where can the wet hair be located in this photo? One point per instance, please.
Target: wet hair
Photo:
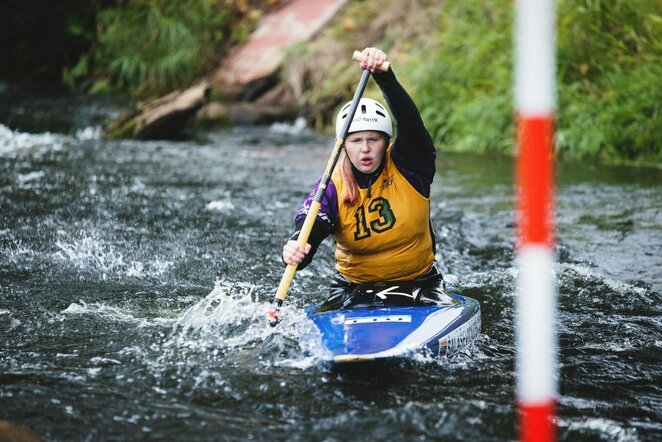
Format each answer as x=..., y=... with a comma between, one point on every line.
x=351, y=190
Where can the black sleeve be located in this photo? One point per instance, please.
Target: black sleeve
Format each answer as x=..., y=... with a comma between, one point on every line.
x=413, y=147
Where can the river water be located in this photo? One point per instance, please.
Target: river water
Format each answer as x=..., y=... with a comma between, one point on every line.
x=135, y=277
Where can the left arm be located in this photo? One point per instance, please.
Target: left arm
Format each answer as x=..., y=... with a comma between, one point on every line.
x=413, y=150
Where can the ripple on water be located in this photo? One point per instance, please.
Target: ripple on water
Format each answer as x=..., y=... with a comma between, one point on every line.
x=112, y=330
x=600, y=428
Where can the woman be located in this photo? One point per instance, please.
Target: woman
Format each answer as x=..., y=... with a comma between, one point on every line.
x=377, y=203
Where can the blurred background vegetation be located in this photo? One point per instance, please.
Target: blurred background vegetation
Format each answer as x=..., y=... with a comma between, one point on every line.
x=609, y=72
x=454, y=56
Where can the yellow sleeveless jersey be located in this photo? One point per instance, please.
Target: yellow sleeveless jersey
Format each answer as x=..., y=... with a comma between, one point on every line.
x=385, y=237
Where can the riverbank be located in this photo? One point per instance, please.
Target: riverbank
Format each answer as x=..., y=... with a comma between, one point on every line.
x=455, y=58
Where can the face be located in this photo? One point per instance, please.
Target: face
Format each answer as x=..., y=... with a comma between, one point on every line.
x=365, y=149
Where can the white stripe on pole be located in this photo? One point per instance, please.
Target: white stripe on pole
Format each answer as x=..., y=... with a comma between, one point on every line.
x=536, y=339
x=535, y=55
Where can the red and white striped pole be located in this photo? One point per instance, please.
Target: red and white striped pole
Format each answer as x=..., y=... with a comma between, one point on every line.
x=535, y=98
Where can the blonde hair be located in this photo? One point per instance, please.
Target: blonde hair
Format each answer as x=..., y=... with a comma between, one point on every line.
x=351, y=189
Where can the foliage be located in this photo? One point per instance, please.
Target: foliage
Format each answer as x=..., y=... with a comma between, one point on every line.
x=40, y=40
x=455, y=57
x=151, y=47
x=322, y=72
x=463, y=82
x=609, y=78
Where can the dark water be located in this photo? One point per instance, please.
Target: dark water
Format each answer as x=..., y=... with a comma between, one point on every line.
x=135, y=277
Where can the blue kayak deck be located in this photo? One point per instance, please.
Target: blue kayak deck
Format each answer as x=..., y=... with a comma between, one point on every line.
x=374, y=333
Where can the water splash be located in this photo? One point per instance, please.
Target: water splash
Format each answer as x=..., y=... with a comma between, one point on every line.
x=13, y=141
x=297, y=127
x=231, y=319
x=13, y=246
x=88, y=133
x=89, y=252
x=226, y=312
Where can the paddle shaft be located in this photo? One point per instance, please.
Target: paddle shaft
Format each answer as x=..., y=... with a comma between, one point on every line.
x=307, y=227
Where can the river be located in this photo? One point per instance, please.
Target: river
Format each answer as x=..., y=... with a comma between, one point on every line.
x=135, y=277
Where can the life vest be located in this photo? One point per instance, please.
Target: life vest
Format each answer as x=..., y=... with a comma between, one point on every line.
x=387, y=236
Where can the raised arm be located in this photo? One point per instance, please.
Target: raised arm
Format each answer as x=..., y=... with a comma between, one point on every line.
x=413, y=148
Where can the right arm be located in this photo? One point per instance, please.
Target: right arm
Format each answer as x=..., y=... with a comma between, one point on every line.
x=323, y=226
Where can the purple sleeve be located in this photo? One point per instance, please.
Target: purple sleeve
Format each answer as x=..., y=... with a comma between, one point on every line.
x=328, y=213
x=326, y=220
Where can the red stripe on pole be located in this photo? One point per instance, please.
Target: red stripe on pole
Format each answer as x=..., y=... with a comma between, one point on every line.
x=536, y=422
x=535, y=172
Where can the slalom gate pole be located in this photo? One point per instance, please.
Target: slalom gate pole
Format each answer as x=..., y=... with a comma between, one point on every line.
x=535, y=101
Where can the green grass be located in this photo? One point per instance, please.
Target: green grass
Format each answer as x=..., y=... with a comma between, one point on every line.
x=455, y=57
x=609, y=83
x=151, y=47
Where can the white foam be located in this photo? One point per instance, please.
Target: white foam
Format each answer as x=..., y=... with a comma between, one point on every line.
x=98, y=360
x=23, y=179
x=13, y=141
x=76, y=308
x=295, y=128
x=88, y=133
x=221, y=206
x=610, y=429
x=111, y=314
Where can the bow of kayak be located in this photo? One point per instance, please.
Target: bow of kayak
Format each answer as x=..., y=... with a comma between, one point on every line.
x=377, y=332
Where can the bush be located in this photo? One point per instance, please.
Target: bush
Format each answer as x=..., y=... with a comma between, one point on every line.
x=609, y=82
x=150, y=47
x=464, y=84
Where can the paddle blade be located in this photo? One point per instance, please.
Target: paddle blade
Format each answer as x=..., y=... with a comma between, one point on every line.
x=273, y=317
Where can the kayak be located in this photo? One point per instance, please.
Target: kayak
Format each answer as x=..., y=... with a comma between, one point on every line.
x=388, y=321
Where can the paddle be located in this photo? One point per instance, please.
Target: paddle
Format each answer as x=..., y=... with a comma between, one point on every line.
x=304, y=234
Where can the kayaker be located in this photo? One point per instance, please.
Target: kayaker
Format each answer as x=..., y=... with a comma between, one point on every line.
x=377, y=203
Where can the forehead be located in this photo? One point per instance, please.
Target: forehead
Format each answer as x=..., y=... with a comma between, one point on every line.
x=367, y=134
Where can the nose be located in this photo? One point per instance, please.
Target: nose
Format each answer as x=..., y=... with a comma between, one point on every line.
x=365, y=146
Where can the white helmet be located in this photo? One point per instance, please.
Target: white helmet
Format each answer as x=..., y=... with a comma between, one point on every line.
x=370, y=115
